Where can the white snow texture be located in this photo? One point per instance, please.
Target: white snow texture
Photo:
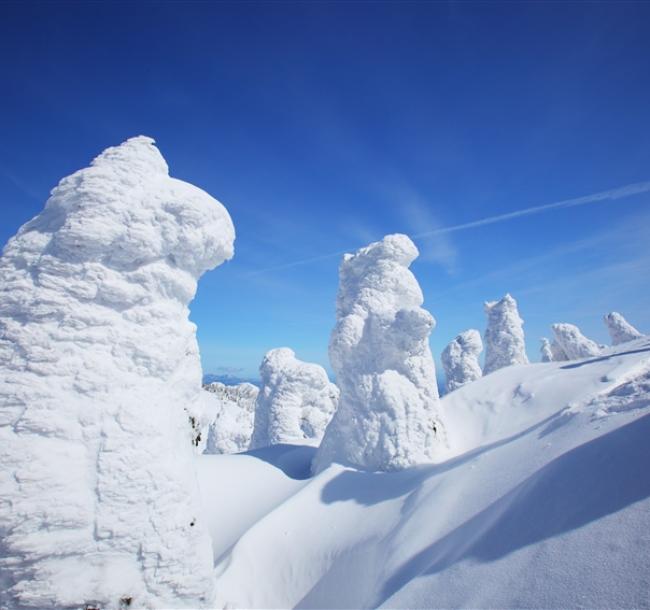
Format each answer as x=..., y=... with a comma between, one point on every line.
x=460, y=359
x=504, y=335
x=546, y=351
x=231, y=428
x=620, y=330
x=99, y=499
x=295, y=403
x=388, y=416
x=573, y=343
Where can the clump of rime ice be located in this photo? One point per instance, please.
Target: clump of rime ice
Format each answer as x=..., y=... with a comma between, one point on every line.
x=100, y=375
x=460, y=359
x=620, y=330
x=504, y=335
x=295, y=403
x=388, y=416
x=573, y=343
x=546, y=351
x=231, y=426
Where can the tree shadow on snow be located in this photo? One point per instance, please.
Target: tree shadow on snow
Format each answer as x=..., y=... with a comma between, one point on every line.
x=577, y=365
x=583, y=485
x=293, y=460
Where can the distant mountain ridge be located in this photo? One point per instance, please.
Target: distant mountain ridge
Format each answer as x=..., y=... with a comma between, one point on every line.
x=228, y=379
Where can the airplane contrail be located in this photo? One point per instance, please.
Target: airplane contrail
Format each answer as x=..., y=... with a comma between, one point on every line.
x=609, y=195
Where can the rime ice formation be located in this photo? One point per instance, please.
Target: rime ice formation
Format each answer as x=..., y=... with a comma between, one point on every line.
x=546, y=350
x=388, y=415
x=232, y=426
x=460, y=359
x=620, y=330
x=573, y=343
x=559, y=355
x=295, y=403
x=504, y=335
x=100, y=369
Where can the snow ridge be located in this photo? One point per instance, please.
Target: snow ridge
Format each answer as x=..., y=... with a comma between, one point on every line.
x=100, y=374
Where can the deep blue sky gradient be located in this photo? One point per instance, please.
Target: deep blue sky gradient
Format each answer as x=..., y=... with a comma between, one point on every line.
x=323, y=126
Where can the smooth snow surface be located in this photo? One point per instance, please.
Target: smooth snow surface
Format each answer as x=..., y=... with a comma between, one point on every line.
x=388, y=416
x=460, y=360
x=620, y=330
x=543, y=502
x=231, y=426
x=573, y=343
x=295, y=403
x=504, y=335
x=100, y=376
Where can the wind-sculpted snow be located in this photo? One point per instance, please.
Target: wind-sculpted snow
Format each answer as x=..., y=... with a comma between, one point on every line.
x=573, y=343
x=388, y=416
x=231, y=428
x=460, y=359
x=620, y=330
x=295, y=403
x=546, y=351
x=504, y=335
x=100, y=375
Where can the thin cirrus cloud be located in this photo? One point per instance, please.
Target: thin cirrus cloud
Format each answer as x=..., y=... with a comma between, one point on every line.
x=622, y=192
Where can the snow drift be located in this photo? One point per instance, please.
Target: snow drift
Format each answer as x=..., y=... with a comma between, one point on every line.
x=388, y=416
x=573, y=343
x=460, y=359
x=620, y=330
x=295, y=403
x=504, y=335
x=100, y=375
x=231, y=426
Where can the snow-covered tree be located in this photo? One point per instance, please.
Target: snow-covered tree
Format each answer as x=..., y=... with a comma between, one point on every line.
x=295, y=403
x=460, y=359
x=504, y=335
x=231, y=427
x=573, y=343
x=559, y=355
x=100, y=373
x=388, y=416
x=546, y=350
x=620, y=330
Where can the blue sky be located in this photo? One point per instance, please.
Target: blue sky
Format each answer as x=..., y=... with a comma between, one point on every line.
x=323, y=126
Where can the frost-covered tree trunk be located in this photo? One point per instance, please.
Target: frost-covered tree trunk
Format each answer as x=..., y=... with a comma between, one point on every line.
x=573, y=343
x=460, y=359
x=504, y=335
x=546, y=351
x=294, y=404
x=100, y=373
x=388, y=416
x=620, y=330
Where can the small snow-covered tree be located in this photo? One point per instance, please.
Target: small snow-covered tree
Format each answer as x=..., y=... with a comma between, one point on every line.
x=504, y=335
x=460, y=359
x=100, y=373
x=231, y=426
x=546, y=350
x=573, y=343
x=295, y=403
x=388, y=416
x=620, y=330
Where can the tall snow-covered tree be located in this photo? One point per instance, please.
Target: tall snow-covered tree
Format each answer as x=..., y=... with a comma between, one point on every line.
x=460, y=359
x=295, y=403
x=99, y=501
x=388, y=416
x=573, y=343
x=504, y=335
x=620, y=330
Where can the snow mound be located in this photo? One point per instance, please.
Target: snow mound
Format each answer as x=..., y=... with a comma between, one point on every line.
x=504, y=335
x=231, y=427
x=295, y=403
x=388, y=416
x=620, y=330
x=573, y=343
x=101, y=377
x=544, y=502
x=460, y=359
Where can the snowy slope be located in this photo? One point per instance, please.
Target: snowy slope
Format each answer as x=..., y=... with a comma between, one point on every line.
x=542, y=502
